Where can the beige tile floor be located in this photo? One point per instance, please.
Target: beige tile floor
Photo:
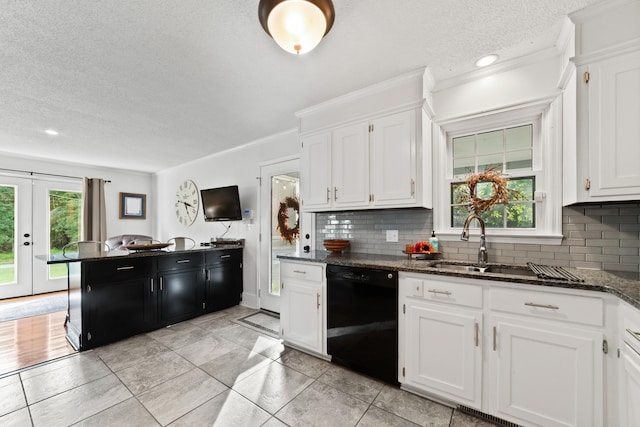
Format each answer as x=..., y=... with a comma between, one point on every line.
x=209, y=371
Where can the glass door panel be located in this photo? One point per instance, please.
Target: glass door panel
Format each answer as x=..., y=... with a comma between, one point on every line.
x=15, y=237
x=285, y=222
x=279, y=195
x=57, y=216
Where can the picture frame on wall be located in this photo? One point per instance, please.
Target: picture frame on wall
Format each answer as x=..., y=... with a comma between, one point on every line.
x=133, y=206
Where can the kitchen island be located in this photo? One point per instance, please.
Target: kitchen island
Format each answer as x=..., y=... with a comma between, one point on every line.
x=121, y=294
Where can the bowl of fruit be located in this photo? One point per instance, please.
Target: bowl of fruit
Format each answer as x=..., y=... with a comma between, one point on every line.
x=421, y=250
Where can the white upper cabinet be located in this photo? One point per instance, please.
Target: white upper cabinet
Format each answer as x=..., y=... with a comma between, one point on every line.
x=350, y=166
x=369, y=149
x=365, y=165
x=315, y=175
x=393, y=160
x=607, y=146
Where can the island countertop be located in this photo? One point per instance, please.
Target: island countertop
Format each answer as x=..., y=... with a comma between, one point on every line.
x=73, y=257
x=625, y=285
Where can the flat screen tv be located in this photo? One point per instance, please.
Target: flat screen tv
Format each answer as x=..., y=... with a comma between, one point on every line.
x=221, y=204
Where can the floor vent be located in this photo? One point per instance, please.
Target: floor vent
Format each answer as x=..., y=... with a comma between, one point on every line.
x=495, y=420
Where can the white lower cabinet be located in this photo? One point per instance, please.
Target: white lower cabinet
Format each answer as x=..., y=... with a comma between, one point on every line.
x=545, y=374
x=630, y=388
x=629, y=378
x=302, y=313
x=443, y=353
x=535, y=360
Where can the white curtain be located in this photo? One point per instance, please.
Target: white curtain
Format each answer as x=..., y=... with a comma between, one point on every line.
x=94, y=216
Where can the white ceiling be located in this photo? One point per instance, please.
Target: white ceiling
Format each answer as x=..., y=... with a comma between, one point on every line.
x=150, y=84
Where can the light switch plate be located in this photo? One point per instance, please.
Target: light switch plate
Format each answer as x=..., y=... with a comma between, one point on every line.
x=392, y=235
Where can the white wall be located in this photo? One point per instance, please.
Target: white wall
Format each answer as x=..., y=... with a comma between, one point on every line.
x=518, y=83
x=121, y=181
x=239, y=166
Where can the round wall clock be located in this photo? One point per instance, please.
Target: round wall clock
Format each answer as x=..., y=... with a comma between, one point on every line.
x=187, y=202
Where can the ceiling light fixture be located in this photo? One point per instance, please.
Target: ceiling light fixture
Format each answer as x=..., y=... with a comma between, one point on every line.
x=51, y=132
x=486, y=60
x=296, y=25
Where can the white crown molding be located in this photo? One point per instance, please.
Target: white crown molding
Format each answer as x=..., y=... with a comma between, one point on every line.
x=367, y=116
x=513, y=64
x=596, y=9
x=608, y=52
x=360, y=93
x=263, y=140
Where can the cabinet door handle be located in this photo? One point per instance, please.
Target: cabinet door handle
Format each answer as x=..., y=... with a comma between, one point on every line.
x=494, y=338
x=636, y=335
x=318, y=301
x=183, y=261
x=328, y=194
x=225, y=256
x=413, y=187
x=126, y=267
x=435, y=291
x=299, y=271
x=151, y=280
x=335, y=193
x=549, y=306
x=477, y=331
x=161, y=283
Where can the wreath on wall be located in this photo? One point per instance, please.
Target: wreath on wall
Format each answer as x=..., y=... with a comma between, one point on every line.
x=500, y=192
x=289, y=234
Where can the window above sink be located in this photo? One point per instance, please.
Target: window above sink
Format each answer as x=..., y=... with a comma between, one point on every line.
x=522, y=142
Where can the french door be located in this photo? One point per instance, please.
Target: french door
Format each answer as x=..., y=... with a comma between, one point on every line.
x=280, y=184
x=37, y=217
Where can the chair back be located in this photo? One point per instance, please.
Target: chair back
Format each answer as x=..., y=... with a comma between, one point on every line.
x=182, y=243
x=86, y=248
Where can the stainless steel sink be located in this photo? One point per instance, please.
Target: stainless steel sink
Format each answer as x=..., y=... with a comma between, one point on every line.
x=512, y=270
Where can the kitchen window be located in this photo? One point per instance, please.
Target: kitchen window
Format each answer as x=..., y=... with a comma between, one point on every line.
x=508, y=150
x=524, y=142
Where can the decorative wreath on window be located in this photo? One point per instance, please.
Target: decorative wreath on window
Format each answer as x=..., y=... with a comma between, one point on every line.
x=500, y=193
x=287, y=233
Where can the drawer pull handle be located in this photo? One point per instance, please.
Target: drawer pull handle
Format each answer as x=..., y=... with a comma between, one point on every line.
x=549, y=306
x=636, y=335
x=151, y=284
x=299, y=271
x=435, y=291
x=161, y=283
x=183, y=261
x=126, y=267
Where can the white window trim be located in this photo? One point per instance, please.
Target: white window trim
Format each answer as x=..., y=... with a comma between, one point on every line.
x=547, y=167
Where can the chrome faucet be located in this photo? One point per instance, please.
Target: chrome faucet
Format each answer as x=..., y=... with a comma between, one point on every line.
x=482, y=252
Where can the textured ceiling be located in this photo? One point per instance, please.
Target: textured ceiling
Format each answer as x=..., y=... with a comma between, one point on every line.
x=149, y=84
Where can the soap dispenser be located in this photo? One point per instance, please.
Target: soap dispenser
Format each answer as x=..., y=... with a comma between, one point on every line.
x=433, y=241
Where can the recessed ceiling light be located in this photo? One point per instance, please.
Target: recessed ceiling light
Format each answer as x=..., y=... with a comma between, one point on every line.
x=51, y=132
x=486, y=60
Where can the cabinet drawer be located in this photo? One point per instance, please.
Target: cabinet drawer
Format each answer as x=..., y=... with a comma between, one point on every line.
x=227, y=255
x=564, y=307
x=116, y=270
x=305, y=271
x=456, y=293
x=179, y=261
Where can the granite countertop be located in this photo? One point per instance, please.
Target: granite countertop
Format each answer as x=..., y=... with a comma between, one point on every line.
x=73, y=257
x=625, y=285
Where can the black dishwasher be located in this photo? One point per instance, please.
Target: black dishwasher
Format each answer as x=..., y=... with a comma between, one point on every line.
x=362, y=320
